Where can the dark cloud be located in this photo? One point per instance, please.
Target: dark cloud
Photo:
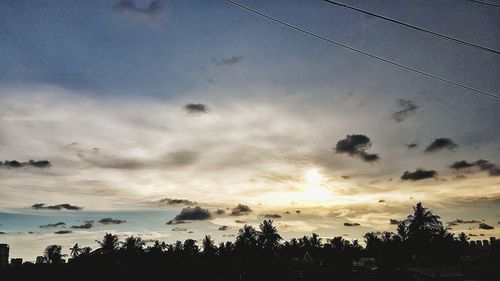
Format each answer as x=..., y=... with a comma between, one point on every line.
x=220, y=212
x=196, y=108
x=272, y=216
x=440, y=144
x=107, y=221
x=42, y=206
x=485, y=226
x=196, y=213
x=485, y=165
x=356, y=146
x=174, y=222
x=419, y=174
x=31, y=163
x=229, y=61
x=395, y=222
x=129, y=6
x=462, y=165
x=240, y=210
x=406, y=109
x=1, y=232
x=86, y=225
x=461, y=221
x=170, y=201
x=223, y=228
x=412, y=145
x=179, y=229
x=50, y=225
x=351, y=224
x=63, y=232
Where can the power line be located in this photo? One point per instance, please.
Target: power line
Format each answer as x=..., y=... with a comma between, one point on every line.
x=325, y=39
x=485, y=3
x=442, y=36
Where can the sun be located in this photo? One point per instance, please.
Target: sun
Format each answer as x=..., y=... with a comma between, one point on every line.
x=314, y=191
x=313, y=177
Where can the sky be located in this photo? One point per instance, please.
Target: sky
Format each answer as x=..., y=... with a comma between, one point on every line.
x=174, y=119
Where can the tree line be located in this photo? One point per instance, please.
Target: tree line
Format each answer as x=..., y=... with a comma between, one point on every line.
x=262, y=254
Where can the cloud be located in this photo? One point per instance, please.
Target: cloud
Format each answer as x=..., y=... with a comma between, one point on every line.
x=394, y=222
x=179, y=229
x=461, y=221
x=41, y=206
x=219, y=212
x=462, y=165
x=223, y=228
x=196, y=108
x=440, y=144
x=50, y=225
x=406, y=109
x=107, y=221
x=170, y=201
x=485, y=165
x=355, y=146
x=485, y=226
x=240, y=210
x=86, y=225
x=196, y=213
x=412, y=145
x=30, y=163
x=419, y=174
x=63, y=232
x=174, y=222
x=229, y=61
x=351, y=224
x=129, y=6
x=272, y=216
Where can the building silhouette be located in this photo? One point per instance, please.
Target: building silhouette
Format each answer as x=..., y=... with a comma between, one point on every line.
x=16, y=262
x=4, y=255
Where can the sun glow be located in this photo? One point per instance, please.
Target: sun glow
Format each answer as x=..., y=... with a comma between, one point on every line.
x=314, y=191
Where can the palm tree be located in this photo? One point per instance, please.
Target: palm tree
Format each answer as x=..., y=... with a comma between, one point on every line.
x=402, y=230
x=133, y=244
x=109, y=243
x=247, y=237
x=339, y=243
x=75, y=251
x=315, y=241
x=423, y=223
x=53, y=254
x=268, y=235
x=208, y=245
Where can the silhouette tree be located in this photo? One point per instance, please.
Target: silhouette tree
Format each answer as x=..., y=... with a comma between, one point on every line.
x=109, y=243
x=268, y=236
x=53, y=254
x=423, y=224
x=190, y=247
x=86, y=251
x=134, y=244
x=247, y=237
x=209, y=247
x=75, y=251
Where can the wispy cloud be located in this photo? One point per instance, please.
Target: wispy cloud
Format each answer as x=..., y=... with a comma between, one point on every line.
x=406, y=109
